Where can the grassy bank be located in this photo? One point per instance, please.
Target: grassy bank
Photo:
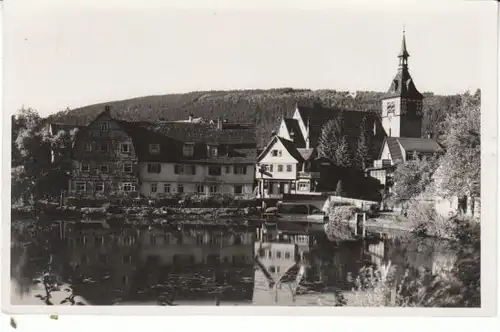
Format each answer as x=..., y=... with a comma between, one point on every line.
x=421, y=220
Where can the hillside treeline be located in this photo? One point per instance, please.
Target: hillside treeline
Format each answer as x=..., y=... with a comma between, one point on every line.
x=265, y=108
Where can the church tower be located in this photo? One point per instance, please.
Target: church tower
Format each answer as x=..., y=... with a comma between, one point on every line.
x=402, y=105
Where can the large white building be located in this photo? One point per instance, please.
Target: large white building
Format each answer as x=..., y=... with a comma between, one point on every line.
x=186, y=157
x=162, y=159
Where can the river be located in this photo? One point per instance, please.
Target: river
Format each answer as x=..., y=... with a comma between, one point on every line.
x=215, y=266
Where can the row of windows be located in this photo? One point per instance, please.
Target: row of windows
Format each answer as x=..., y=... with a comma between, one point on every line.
x=103, y=146
x=100, y=240
x=104, y=258
x=302, y=185
x=277, y=254
x=213, y=170
x=81, y=186
x=184, y=169
x=201, y=188
x=154, y=148
x=278, y=168
x=154, y=239
x=178, y=169
x=188, y=150
x=104, y=168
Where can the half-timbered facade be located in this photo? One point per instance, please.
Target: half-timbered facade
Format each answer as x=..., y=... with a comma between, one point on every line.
x=104, y=160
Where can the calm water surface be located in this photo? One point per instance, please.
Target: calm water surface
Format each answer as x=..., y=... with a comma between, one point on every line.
x=205, y=266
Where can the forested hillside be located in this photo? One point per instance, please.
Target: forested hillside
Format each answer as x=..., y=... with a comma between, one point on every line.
x=262, y=107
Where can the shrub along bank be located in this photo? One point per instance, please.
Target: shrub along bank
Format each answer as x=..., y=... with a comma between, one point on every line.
x=127, y=209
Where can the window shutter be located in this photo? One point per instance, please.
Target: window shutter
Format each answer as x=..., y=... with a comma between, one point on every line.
x=244, y=169
x=176, y=169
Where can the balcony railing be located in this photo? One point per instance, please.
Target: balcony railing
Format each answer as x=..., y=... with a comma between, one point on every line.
x=309, y=175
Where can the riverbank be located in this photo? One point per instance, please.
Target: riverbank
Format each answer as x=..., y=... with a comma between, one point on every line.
x=389, y=221
x=117, y=216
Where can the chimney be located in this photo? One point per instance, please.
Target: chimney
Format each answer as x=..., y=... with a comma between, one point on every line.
x=273, y=133
x=190, y=117
x=107, y=110
x=429, y=135
x=219, y=124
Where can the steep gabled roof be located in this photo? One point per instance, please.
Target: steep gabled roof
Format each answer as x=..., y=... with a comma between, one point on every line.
x=316, y=117
x=292, y=125
x=56, y=127
x=397, y=145
x=288, y=145
x=420, y=145
x=394, y=149
x=236, y=144
x=403, y=86
x=204, y=133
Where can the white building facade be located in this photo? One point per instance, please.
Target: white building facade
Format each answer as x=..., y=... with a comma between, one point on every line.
x=162, y=179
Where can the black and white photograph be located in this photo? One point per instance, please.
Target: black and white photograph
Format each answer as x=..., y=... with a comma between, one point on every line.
x=166, y=156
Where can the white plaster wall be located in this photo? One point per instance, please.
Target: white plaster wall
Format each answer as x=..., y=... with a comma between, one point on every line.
x=285, y=159
x=395, y=123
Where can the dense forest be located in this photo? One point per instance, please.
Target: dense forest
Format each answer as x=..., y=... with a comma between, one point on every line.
x=265, y=108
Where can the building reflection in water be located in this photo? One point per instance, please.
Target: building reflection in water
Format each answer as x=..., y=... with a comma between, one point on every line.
x=208, y=266
x=197, y=265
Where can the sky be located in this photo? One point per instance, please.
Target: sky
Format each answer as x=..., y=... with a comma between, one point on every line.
x=60, y=54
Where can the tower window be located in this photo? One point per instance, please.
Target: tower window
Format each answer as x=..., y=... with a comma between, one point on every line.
x=391, y=107
x=396, y=85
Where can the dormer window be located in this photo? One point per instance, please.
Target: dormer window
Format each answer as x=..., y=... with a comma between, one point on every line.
x=154, y=148
x=188, y=150
x=104, y=126
x=213, y=151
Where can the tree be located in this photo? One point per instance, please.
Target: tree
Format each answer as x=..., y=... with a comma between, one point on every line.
x=330, y=138
x=363, y=156
x=343, y=156
x=412, y=177
x=333, y=144
x=460, y=167
x=44, y=161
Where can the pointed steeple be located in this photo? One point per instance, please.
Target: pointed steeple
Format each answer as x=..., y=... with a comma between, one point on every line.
x=402, y=85
x=403, y=54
